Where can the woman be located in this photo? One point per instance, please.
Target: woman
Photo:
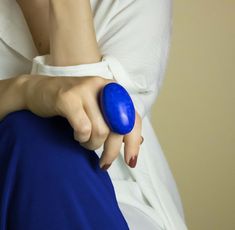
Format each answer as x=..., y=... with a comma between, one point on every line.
x=52, y=135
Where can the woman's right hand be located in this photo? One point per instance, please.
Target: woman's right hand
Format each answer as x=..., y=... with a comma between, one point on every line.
x=74, y=98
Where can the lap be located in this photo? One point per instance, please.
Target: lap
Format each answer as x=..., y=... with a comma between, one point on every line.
x=44, y=141
x=48, y=179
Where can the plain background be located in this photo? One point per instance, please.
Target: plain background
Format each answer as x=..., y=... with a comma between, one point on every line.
x=194, y=115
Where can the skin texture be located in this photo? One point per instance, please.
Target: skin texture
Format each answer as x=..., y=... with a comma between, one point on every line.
x=52, y=23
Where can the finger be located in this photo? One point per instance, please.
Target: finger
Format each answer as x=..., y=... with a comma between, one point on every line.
x=112, y=148
x=80, y=123
x=100, y=130
x=132, y=142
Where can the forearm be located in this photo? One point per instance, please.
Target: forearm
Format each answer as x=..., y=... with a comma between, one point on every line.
x=12, y=95
x=72, y=33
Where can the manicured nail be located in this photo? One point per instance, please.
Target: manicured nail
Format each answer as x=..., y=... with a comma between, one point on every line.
x=105, y=166
x=132, y=162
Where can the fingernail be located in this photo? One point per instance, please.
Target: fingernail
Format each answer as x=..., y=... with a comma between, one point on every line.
x=105, y=166
x=132, y=162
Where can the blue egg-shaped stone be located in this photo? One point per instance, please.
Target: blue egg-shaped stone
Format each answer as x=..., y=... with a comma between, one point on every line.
x=117, y=108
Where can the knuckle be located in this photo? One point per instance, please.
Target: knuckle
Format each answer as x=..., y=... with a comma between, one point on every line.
x=100, y=131
x=84, y=129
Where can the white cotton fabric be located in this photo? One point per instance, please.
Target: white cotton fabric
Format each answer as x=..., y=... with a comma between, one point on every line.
x=134, y=38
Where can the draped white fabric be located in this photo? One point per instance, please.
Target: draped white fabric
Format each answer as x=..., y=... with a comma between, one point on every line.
x=134, y=38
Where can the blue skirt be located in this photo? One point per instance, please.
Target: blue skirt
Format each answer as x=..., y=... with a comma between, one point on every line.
x=48, y=181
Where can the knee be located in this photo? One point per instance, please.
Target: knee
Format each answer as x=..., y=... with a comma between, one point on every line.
x=44, y=139
x=31, y=130
x=46, y=142
x=19, y=124
x=25, y=125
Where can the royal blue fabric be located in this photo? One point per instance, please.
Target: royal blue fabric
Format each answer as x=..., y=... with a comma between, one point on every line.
x=48, y=181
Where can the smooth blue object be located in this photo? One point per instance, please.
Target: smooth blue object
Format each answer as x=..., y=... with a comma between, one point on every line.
x=48, y=181
x=117, y=108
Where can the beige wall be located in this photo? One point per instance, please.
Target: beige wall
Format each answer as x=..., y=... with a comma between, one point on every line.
x=194, y=115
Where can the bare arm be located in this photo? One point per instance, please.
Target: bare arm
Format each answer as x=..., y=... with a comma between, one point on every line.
x=72, y=33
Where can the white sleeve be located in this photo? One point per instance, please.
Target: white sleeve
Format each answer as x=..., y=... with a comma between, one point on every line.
x=134, y=48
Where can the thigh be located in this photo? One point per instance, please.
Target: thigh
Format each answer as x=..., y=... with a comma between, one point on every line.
x=49, y=181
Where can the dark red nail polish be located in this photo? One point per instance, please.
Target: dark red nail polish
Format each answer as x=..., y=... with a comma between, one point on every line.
x=106, y=166
x=132, y=162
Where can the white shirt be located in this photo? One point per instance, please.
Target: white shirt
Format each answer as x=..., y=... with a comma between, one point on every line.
x=134, y=38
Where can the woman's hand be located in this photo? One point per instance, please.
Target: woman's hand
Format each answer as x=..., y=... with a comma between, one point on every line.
x=76, y=99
